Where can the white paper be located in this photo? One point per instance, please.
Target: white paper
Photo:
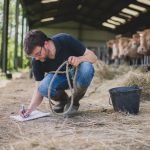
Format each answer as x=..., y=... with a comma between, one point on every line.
x=34, y=115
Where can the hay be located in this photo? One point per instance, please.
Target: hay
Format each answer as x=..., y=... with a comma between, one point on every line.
x=107, y=72
x=141, y=79
x=96, y=127
x=97, y=130
x=126, y=76
x=103, y=71
x=121, y=76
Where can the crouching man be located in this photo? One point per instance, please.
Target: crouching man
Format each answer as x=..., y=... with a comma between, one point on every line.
x=48, y=53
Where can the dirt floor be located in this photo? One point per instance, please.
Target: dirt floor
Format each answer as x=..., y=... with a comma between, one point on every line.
x=95, y=127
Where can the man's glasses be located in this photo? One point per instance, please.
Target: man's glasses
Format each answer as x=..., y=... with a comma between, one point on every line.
x=38, y=54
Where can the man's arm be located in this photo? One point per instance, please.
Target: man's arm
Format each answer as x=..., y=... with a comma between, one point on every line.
x=35, y=101
x=88, y=56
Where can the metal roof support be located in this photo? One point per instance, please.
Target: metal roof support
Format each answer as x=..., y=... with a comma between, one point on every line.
x=5, y=36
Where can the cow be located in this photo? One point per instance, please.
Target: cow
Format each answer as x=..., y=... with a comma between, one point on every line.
x=109, y=51
x=144, y=47
x=131, y=49
x=122, y=45
x=115, y=49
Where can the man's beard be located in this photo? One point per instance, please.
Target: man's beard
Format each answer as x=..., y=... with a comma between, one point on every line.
x=43, y=59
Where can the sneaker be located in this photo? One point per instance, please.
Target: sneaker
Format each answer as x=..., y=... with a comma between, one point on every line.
x=59, y=108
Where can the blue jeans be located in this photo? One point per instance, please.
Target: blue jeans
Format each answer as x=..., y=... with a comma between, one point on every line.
x=84, y=77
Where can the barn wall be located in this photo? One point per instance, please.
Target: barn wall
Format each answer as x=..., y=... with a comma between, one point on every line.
x=88, y=35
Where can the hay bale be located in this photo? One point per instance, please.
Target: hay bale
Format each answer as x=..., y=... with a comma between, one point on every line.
x=141, y=79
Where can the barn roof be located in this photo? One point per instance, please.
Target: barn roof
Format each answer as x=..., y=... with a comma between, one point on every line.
x=95, y=13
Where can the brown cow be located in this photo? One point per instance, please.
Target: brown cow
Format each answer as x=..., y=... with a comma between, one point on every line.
x=131, y=49
x=122, y=45
x=115, y=50
x=144, y=47
x=109, y=43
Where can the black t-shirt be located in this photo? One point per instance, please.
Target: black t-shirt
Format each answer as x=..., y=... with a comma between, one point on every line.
x=66, y=46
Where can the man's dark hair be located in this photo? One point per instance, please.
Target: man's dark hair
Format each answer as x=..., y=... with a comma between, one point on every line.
x=34, y=38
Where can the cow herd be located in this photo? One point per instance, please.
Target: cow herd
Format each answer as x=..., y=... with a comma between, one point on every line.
x=134, y=50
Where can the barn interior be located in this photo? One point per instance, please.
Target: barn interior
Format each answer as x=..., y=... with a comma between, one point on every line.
x=97, y=125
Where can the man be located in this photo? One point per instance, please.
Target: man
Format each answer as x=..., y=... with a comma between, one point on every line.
x=47, y=55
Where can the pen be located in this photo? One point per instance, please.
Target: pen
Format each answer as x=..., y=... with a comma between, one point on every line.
x=23, y=109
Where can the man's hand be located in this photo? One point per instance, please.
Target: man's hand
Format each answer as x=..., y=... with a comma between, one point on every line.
x=35, y=101
x=73, y=60
x=88, y=56
x=25, y=113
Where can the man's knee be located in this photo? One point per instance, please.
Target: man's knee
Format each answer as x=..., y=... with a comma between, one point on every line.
x=85, y=75
x=44, y=90
x=44, y=87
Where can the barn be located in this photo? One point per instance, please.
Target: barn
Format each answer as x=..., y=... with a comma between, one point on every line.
x=83, y=67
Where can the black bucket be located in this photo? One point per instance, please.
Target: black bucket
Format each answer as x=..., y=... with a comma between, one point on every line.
x=126, y=99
